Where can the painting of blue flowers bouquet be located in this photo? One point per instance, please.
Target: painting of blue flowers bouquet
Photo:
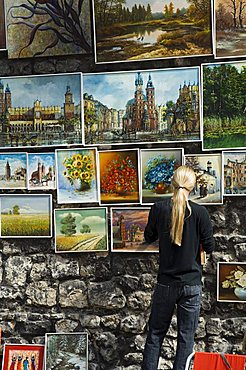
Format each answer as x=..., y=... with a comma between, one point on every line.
x=157, y=167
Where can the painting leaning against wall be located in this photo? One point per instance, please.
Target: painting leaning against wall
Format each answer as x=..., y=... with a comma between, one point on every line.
x=223, y=105
x=137, y=30
x=40, y=110
x=2, y=26
x=141, y=106
x=47, y=28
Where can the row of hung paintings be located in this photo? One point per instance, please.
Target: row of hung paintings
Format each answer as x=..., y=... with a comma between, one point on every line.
x=123, y=31
x=123, y=176
x=190, y=104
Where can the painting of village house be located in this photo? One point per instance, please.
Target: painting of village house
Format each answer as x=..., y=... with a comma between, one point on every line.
x=147, y=106
x=157, y=167
x=40, y=110
x=119, y=176
x=76, y=176
x=127, y=229
x=13, y=170
x=208, y=170
x=23, y=356
x=223, y=99
x=229, y=28
x=41, y=171
x=2, y=26
x=25, y=216
x=231, y=282
x=234, y=164
x=47, y=28
x=81, y=230
x=137, y=30
x=66, y=351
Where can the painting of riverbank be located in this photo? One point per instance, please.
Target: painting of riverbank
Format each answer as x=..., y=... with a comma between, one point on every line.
x=130, y=31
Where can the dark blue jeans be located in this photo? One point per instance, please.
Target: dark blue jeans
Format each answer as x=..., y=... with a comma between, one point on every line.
x=166, y=298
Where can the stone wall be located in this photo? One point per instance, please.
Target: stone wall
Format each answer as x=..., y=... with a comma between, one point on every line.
x=108, y=295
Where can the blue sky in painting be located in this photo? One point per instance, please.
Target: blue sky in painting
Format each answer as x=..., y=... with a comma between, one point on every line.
x=28, y=204
x=158, y=6
x=16, y=160
x=48, y=159
x=115, y=89
x=95, y=218
x=49, y=89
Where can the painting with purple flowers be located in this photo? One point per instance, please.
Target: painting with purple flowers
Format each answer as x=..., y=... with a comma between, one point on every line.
x=157, y=167
x=47, y=27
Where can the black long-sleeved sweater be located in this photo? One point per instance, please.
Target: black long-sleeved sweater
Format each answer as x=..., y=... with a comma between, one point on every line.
x=180, y=264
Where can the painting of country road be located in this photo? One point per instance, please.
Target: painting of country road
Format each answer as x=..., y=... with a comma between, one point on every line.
x=81, y=230
x=133, y=30
x=230, y=28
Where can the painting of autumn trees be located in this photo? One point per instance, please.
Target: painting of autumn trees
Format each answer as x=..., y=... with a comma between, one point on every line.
x=127, y=30
x=230, y=28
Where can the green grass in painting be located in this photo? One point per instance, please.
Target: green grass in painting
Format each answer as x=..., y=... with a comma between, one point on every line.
x=226, y=141
x=25, y=225
x=102, y=244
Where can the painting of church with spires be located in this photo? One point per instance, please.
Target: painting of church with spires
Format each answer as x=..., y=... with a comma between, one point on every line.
x=142, y=106
x=40, y=110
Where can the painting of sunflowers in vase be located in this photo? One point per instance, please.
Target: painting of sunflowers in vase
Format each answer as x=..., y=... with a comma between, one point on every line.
x=76, y=176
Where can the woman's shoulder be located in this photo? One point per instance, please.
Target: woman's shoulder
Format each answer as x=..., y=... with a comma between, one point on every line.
x=198, y=208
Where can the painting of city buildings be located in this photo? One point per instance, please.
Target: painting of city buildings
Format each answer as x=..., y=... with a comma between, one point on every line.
x=133, y=30
x=224, y=105
x=234, y=164
x=147, y=106
x=40, y=110
x=81, y=230
x=157, y=167
x=44, y=28
x=25, y=216
x=231, y=282
x=208, y=170
x=127, y=230
x=13, y=170
x=76, y=176
x=229, y=27
x=2, y=26
x=41, y=171
x=119, y=176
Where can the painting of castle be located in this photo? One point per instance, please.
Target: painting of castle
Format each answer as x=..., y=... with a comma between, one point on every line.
x=2, y=26
x=234, y=164
x=208, y=170
x=41, y=171
x=127, y=229
x=52, y=118
x=13, y=171
x=147, y=106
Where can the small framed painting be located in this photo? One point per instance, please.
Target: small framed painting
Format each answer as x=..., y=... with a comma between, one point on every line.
x=26, y=216
x=234, y=169
x=41, y=171
x=23, y=356
x=231, y=282
x=81, y=230
x=13, y=170
x=127, y=230
x=66, y=351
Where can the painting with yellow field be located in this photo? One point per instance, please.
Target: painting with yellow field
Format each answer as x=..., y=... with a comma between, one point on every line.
x=81, y=230
x=25, y=216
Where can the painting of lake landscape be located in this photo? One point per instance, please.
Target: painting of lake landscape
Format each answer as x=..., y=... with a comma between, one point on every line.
x=138, y=30
x=47, y=28
x=127, y=230
x=24, y=216
x=223, y=104
x=40, y=110
x=229, y=27
x=81, y=230
x=2, y=26
x=234, y=167
x=41, y=171
x=13, y=170
x=142, y=106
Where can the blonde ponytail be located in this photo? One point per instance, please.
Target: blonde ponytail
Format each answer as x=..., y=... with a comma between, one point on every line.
x=183, y=181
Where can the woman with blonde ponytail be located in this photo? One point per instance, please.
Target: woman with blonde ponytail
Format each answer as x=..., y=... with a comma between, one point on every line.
x=182, y=227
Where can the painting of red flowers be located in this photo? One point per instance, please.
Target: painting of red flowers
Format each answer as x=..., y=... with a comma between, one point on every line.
x=119, y=176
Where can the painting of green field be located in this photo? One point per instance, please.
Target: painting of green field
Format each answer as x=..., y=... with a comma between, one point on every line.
x=25, y=216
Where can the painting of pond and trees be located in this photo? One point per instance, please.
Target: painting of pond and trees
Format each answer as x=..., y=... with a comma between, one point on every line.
x=128, y=30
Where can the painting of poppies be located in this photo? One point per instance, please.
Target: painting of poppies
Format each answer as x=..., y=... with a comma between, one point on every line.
x=47, y=28
x=2, y=26
x=138, y=30
x=157, y=167
x=23, y=356
x=231, y=282
x=119, y=176
x=127, y=230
